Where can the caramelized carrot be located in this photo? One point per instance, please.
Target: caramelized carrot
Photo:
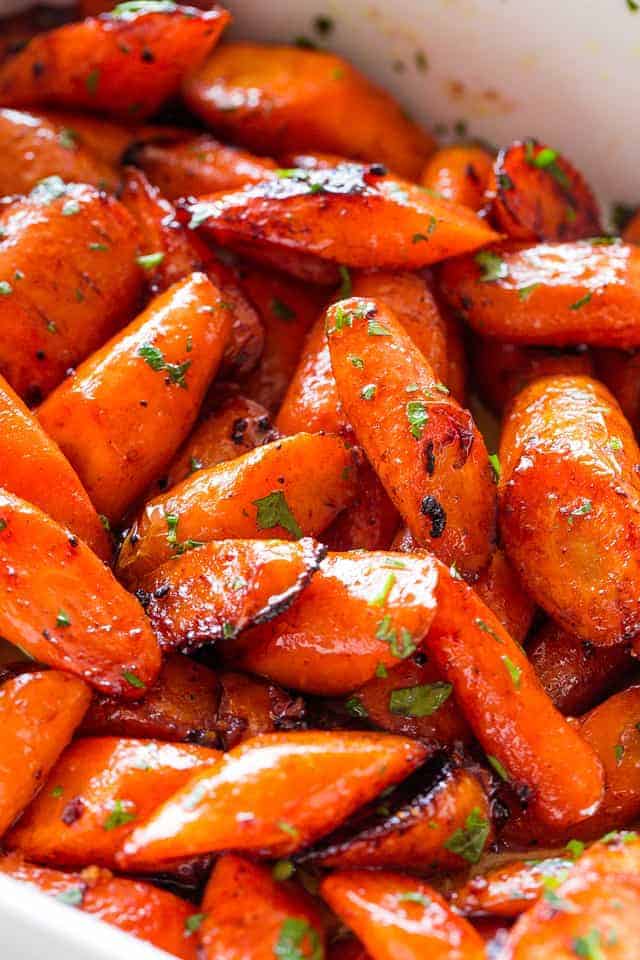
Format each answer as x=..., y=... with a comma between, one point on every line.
x=350, y=214
x=198, y=164
x=370, y=522
x=507, y=891
x=97, y=793
x=293, y=487
x=457, y=364
x=224, y=587
x=569, y=503
x=248, y=915
x=126, y=63
x=276, y=99
x=246, y=800
x=438, y=476
x=64, y=289
x=34, y=469
x=399, y=916
x=460, y=173
x=155, y=916
x=63, y=606
x=619, y=370
x=553, y=295
x=360, y=611
x=250, y=706
x=107, y=140
x=536, y=194
x=39, y=713
x=500, y=588
x=128, y=408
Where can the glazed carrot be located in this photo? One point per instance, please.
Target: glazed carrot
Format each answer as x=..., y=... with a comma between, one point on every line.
x=507, y=891
x=536, y=194
x=631, y=233
x=248, y=915
x=62, y=606
x=143, y=910
x=246, y=801
x=562, y=294
x=19, y=28
x=370, y=522
x=349, y=214
x=224, y=587
x=34, y=468
x=399, y=916
x=172, y=254
x=438, y=475
x=460, y=173
x=408, y=297
x=102, y=63
x=445, y=826
x=359, y=611
x=287, y=310
x=500, y=588
x=569, y=487
x=250, y=706
x=235, y=427
x=39, y=713
x=275, y=99
x=412, y=699
x=599, y=914
x=292, y=487
x=502, y=370
x=64, y=291
x=127, y=409
x=619, y=370
x=508, y=710
x=181, y=705
x=97, y=793
x=574, y=672
x=457, y=364
x=198, y=164
x=33, y=148
x=109, y=141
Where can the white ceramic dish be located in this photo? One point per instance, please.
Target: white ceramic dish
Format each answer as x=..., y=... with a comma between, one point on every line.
x=566, y=71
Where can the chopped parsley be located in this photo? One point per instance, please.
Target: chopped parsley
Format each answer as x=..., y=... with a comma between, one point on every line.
x=73, y=896
x=154, y=357
x=150, y=260
x=582, y=510
x=417, y=416
x=420, y=701
x=618, y=751
x=92, y=81
x=287, y=827
x=119, y=816
x=345, y=285
x=67, y=139
x=575, y=848
x=498, y=767
x=282, y=310
x=583, y=301
x=514, y=671
x=588, y=946
x=375, y=329
x=492, y=266
x=193, y=923
x=134, y=680
x=57, y=792
x=298, y=940
x=381, y=598
x=274, y=511
x=546, y=159
x=525, y=292
x=282, y=870
x=356, y=362
x=486, y=628
x=369, y=392
x=5, y=288
x=468, y=841
x=615, y=443
x=356, y=708
x=414, y=896
x=494, y=460
x=70, y=208
x=381, y=671
x=63, y=619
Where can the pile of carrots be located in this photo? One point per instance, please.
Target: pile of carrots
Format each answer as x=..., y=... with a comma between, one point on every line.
x=319, y=510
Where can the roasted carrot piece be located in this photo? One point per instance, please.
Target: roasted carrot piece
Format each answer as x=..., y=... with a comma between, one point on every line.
x=97, y=793
x=445, y=826
x=359, y=611
x=34, y=468
x=507, y=709
x=198, y=164
x=33, y=149
x=127, y=409
x=172, y=254
x=399, y=916
x=574, y=672
x=181, y=705
x=248, y=915
x=246, y=801
x=457, y=364
x=502, y=370
x=39, y=713
x=408, y=297
x=569, y=487
x=19, y=28
x=138, y=908
x=287, y=310
x=62, y=606
x=412, y=699
x=507, y=891
x=349, y=214
x=631, y=232
x=274, y=99
x=536, y=194
x=293, y=487
x=595, y=911
x=619, y=370
x=250, y=706
x=224, y=587
x=65, y=292
x=103, y=63
x=439, y=476
x=500, y=588
x=236, y=426
x=553, y=295
x=460, y=173
x=370, y=522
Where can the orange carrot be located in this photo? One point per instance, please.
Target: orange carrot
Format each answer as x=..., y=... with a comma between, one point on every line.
x=460, y=173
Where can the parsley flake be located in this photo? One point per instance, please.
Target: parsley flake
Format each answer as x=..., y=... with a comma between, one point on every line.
x=63, y=619
x=119, y=816
x=356, y=708
x=420, y=701
x=414, y=896
x=345, y=285
x=381, y=598
x=298, y=940
x=369, y=392
x=498, y=767
x=581, y=302
x=417, y=416
x=468, y=841
x=274, y=511
x=375, y=329
x=193, y=923
x=150, y=260
x=134, y=680
x=356, y=362
x=73, y=896
x=492, y=266
x=282, y=310
x=514, y=671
